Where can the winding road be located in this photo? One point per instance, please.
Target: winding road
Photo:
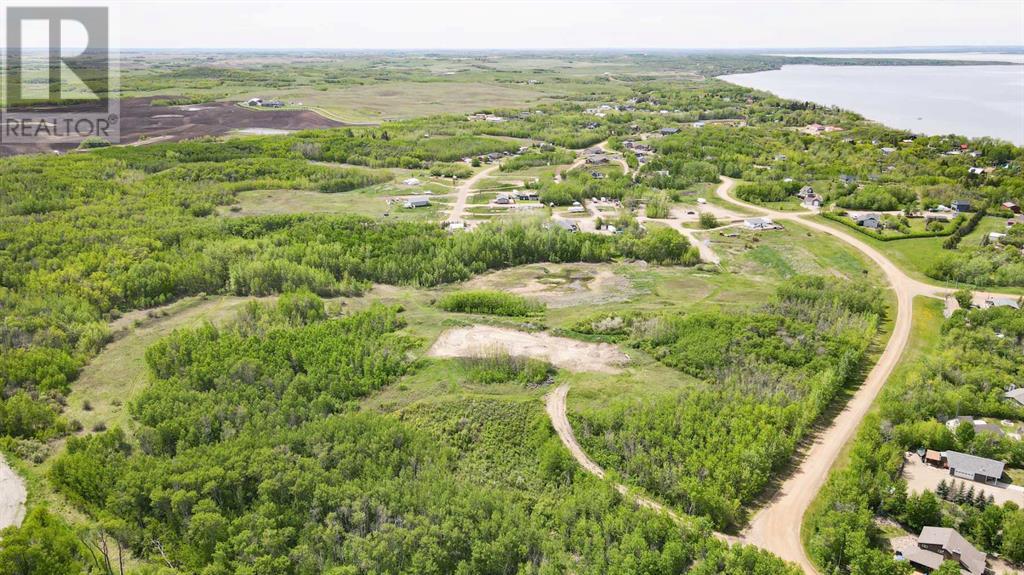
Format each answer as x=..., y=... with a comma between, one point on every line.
x=776, y=527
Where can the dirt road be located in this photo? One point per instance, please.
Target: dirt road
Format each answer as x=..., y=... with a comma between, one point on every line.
x=458, y=211
x=615, y=157
x=571, y=354
x=776, y=527
x=12, y=496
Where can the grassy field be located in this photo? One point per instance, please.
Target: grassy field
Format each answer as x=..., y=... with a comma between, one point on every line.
x=914, y=256
x=365, y=202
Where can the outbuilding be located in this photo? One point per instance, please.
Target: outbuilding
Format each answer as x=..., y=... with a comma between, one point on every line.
x=974, y=468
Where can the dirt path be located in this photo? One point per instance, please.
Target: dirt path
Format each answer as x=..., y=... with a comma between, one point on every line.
x=12, y=496
x=617, y=159
x=458, y=211
x=554, y=404
x=703, y=246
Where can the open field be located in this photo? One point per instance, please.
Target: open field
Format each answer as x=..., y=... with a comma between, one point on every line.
x=142, y=122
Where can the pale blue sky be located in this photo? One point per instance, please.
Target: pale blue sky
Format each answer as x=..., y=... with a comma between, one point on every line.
x=566, y=24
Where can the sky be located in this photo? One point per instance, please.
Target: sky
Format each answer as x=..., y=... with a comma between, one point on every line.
x=562, y=24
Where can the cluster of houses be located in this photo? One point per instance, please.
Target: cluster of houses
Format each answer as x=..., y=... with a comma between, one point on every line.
x=818, y=129
x=507, y=199
x=643, y=151
x=261, y=103
x=485, y=118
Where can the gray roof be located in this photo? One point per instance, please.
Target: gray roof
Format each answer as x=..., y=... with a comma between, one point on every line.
x=952, y=542
x=866, y=217
x=1016, y=394
x=1003, y=302
x=974, y=465
x=929, y=559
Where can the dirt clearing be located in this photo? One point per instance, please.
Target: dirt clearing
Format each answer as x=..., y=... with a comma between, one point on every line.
x=561, y=352
x=561, y=285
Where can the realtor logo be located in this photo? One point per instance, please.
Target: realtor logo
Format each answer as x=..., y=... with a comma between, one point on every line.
x=59, y=77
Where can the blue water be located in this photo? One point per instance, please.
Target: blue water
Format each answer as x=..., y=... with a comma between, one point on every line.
x=966, y=100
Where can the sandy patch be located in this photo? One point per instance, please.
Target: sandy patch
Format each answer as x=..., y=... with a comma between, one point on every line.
x=561, y=352
x=560, y=285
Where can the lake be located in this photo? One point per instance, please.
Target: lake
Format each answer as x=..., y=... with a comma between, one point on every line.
x=968, y=100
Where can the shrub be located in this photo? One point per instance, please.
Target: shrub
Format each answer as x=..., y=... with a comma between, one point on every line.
x=489, y=302
x=504, y=368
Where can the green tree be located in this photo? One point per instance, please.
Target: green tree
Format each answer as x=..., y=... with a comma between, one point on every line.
x=43, y=545
x=1013, y=536
x=923, y=509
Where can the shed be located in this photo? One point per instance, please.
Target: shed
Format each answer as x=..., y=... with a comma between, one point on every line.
x=961, y=206
x=417, y=202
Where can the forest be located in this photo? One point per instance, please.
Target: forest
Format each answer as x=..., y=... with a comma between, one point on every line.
x=768, y=374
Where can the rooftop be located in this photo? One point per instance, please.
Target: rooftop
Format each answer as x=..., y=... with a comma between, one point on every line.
x=974, y=465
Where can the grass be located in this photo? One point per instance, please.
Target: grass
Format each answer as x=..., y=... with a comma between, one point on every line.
x=364, y=202
x=925, y=333
x=914, y=256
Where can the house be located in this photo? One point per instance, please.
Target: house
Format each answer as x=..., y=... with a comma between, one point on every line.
x=1012, y=207
x=597, y=160
x=1002, y=302
x=254, y=102
x=273, y=104
x=760, y=224
x=936, y=545
x=979, y=425
x=845, y=179
x=417, y=202
x=1015, y=394
x=804, y=192
x=996, y=237
x=961, y=206
x=872, y=221
x=974, y=468
x=526, y=195
x=812, y=201
x=503, y=199
x=411, y=182
x=668, y=131
x=975, y=171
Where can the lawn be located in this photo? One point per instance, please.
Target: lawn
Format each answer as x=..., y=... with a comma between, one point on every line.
x=915, y=255
x=365, y=202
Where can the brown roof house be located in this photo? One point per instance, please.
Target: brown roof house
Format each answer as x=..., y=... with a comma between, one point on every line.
x=938, y=544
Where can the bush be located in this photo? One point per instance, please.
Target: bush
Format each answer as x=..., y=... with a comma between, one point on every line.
x=505, y=368
x=489, y=302
x=708, y=220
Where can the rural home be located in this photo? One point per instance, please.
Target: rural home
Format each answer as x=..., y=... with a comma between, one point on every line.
x=1015, y=394
x=760, y=224
x=1012, y=207
x=979, y=425
x=417, y=202
x=503, y=199
x=805, y=191
x=526, y=195
x=975, y=171
x=961, y=206
x=411, y=182
x=1002, y=302
x=938, y=544
x=873, y=221
x=974, y=468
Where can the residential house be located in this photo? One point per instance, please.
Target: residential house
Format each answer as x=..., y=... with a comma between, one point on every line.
x=526, y=195
x=254, y=102
x=417, y=202
x=1012, y=207
x=1015, y=394
x=1002, y=302
x=804, y=192
x=975, y=171
x=936, y=545
x=411, y=182
x=974, y=468
x=979, y=425
x=961, y=206
x=872, y=221
x=760, y=224
x=503, y=199
x=597, y=160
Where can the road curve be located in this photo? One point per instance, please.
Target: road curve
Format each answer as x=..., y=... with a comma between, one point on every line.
x=12, y=496
x=554, y=403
